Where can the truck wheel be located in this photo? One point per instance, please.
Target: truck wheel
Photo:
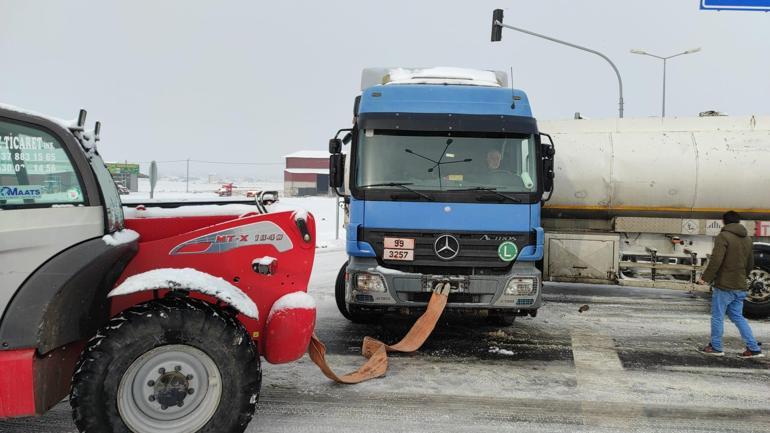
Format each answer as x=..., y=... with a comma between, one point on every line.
x=342, y=305
x=339, y=292
x=757, y=303
x=171, y=365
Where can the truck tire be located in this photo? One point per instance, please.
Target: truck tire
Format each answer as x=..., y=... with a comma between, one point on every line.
x=342, y=305
x=757, y=303
x=339, y=292
x=173, y=365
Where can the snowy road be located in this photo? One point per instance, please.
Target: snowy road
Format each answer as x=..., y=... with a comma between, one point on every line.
x=627, y=364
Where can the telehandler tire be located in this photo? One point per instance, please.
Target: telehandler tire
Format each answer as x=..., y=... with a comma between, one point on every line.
x=172, y=365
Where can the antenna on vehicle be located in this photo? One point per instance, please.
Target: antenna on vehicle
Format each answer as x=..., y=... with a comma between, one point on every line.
x=82, y=118
x=80, y=123
x=513, y=93
x=97, y=130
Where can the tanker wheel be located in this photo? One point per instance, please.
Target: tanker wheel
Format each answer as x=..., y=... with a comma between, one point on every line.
x=342, y=305
x=757, y=303
x=172, y=365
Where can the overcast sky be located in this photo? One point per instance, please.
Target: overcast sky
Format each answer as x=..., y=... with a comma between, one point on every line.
x=250, y=81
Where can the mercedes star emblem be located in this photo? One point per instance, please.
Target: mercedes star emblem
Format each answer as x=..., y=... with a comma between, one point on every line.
x=446, y=247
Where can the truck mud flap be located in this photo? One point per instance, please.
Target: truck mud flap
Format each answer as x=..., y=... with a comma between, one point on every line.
x=377, y=351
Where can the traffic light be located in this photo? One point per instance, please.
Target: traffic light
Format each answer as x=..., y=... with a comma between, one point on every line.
x=497, y=29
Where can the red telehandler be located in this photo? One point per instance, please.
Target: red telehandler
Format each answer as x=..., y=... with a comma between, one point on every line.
x=155, y=321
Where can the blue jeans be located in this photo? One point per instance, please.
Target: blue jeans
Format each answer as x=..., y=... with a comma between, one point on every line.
x=730, y=302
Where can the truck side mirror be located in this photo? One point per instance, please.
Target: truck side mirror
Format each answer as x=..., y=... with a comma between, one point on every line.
x=335, y=145
x=548, y=152
x=336, y=170
x=497, y=29
x=548, y=175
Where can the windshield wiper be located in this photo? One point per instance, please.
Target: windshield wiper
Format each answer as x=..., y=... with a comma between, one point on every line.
x=490, y=189
x=402, y=185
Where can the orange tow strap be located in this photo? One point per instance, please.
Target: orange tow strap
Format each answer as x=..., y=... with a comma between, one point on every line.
x=377, y=351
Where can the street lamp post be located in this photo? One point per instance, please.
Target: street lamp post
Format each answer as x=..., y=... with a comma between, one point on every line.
x=497, y=26
x=665, y=59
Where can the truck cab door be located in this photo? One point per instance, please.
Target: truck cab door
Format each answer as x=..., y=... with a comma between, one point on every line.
x=49, y=199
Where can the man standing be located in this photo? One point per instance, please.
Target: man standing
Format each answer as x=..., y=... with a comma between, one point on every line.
x=731, y=261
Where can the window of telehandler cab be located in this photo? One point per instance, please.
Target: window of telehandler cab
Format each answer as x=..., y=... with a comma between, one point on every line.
x=35, y=170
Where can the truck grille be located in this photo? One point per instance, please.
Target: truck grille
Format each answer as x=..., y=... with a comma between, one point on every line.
x=478, y=251
x=454, y=298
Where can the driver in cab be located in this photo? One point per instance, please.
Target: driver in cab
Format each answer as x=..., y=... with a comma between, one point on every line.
x=494, y=158
x=498, y=175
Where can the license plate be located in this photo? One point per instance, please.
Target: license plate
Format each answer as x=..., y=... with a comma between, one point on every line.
x=399, y=243
x=402, y=255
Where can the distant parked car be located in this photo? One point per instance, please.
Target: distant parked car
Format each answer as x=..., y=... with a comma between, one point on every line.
x=226, y=190
x=122, y=190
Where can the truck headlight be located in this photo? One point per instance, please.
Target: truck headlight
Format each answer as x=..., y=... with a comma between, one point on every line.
x=370, y=283
x=520, y=286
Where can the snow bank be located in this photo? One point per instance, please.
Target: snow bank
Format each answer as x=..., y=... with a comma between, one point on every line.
x=188, y=279
x=292, y=301
x=188, y=211
x=120, y=237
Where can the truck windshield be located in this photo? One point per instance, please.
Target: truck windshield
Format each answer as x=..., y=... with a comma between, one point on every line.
x=446, y=162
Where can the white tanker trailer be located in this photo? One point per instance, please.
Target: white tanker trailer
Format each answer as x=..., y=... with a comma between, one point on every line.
x=638, y=201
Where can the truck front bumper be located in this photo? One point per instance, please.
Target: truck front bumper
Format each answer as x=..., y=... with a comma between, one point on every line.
x=374, y=287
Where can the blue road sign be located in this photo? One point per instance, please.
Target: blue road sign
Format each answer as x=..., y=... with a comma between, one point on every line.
x=736, y=5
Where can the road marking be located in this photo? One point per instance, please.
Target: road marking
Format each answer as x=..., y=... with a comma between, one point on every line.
x=717, y=370
x=601, y=378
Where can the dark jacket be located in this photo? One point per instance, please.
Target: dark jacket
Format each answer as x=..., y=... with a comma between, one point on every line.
x=731, y=260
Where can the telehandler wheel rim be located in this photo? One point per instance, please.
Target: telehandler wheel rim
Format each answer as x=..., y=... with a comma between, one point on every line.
x=171, y=389
x=759, y=286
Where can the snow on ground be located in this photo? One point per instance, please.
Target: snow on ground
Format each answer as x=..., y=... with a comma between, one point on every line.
x=499, y=351
x=322, y=208
x=196, y=190
x=148, y=211
x=628, y=364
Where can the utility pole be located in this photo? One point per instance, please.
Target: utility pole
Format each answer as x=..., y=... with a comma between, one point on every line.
x=497, y=34
x=187, y=178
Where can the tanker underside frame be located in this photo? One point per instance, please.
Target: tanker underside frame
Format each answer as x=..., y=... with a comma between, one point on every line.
x=669, y=253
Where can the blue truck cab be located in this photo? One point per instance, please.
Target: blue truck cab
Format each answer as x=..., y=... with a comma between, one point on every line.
x=443, y=184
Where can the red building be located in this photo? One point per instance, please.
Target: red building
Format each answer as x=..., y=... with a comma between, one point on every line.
x=306, y=173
